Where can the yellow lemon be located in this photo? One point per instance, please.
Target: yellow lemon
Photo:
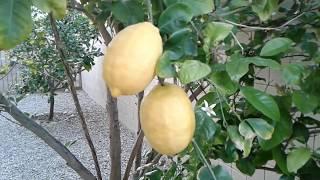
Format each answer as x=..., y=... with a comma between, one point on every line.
x=131, y=58
x=167, y=119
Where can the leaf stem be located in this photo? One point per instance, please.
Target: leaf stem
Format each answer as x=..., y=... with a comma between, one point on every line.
x=238, y=42
x=195, y=144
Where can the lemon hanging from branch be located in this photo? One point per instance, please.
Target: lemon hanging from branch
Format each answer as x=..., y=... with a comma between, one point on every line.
x=131, y=58
x=167, y=119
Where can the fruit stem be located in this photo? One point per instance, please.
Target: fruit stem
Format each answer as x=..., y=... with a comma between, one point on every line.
x=195, y=144
x=161, y=81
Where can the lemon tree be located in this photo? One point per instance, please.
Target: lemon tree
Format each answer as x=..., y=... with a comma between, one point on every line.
x=224, y=55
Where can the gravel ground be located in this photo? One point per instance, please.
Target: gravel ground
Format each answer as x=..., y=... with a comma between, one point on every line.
x=23, y=156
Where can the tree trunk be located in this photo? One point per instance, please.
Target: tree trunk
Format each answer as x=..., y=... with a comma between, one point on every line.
x=51, y=100
x=114, y=137
x=66, y=66
x=39, y=131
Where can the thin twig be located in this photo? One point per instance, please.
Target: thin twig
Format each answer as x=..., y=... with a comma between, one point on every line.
x=293, y=19
x=252, y=27
x=61, y=51
x=238, y=42
x=195, y=144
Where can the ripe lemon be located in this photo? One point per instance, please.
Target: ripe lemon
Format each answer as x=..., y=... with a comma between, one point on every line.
x=131, y=58
x=167, y=119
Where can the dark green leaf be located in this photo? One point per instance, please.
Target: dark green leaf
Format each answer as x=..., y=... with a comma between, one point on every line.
x=311, y=84
x=261, y=128
x=57, y=7
x=128, y=12
x=164, y=67
x=282, y=131
x=280, y=157
x=306, y=103
x=236, y=67
x=297, y=158
x=285, y=177
x=210, y=97
x=174, y=18
x=310, y=47
x=206, y=128
x=292, y=73
x=182, y=43
x=223, y=82
x=198, y=7
x=219, y=172
x=192, y=70
x=262, y=102
x=15, y=22
x=246, y=166
x=300, y=132
x=276, y=46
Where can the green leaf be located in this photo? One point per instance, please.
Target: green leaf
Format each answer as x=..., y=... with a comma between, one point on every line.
x=306, y=103
x=258, y=61
x=240, y=143
x=300, y=132
x=206, y=128
x=263, y=129
x=164, y=68
x=237, y=67
x=182, y=43
x=215, y=32
x=198, y=7
x=297, y=158
x=264, y=8
x=128, y=12
x=219, y=172
x=246, y=166
x=57, y=7
x=276, y=46
x=282, y=131
x=285, y=177
x=292, y=73
x=280, y=158
x=246, y=131
x=223, y=82
x=175, y=17
x=15, y=22
x=192, y=70
x=262, y=102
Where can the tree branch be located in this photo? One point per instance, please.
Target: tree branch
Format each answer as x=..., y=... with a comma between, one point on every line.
x=39, y=131
x=60, y=48
x=133, y=155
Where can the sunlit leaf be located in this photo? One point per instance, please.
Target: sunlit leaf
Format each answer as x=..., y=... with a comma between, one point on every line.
x=297, y=158
x=57, y=7
x=198, y=7
x=276, y=46
x=262, y=102
x=192, y=70
x=15, y=22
